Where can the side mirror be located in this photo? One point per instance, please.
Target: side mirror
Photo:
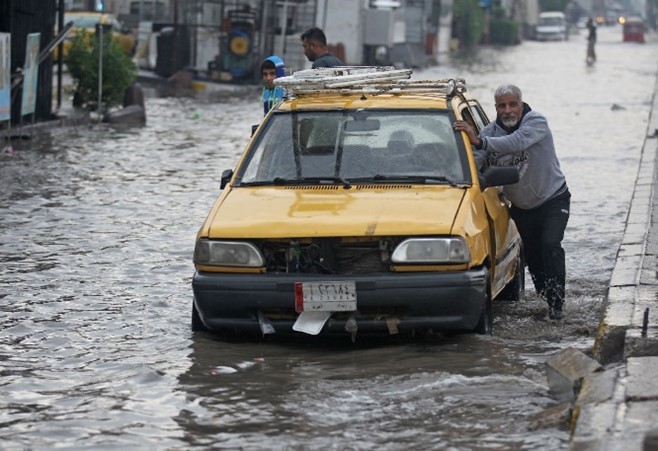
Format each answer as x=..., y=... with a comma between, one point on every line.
x=227, y=175
x=254, y=128
x=499, y=175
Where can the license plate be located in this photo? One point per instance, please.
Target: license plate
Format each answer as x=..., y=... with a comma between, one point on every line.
x=325, y=296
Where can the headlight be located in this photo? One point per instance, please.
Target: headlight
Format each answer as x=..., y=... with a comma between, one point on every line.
x=227, y=253
x=432, y=250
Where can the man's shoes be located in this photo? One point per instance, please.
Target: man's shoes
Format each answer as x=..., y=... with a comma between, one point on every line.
x=555, y=312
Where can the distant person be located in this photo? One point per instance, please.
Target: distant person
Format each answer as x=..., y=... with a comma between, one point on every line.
x=591, y=40
x=271, y=68
x=540, y=200
x=314, y=42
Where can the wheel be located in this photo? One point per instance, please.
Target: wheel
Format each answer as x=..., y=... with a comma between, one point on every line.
x=515, y=290
x=197, y=324
x=485, y=324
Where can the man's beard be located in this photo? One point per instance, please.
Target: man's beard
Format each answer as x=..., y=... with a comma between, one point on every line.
x=509, y=122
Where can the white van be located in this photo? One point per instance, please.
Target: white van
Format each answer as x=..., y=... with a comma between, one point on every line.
x=552, y=26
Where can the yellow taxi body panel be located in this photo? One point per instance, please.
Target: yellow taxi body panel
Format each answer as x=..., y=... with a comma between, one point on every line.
x=352, y=102
x=267, y=212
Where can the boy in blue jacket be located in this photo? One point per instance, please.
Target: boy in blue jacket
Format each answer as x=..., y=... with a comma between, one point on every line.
x=271, y=68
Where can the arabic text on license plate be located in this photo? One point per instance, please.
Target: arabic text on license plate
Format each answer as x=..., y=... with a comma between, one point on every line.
x=337, y=296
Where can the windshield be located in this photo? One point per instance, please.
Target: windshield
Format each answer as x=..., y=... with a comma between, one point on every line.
x=551, y=21
x=353, y=145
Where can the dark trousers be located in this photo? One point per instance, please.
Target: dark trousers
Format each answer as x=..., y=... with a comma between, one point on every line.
x=542, y=231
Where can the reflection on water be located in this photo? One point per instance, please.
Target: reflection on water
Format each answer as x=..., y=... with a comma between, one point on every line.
x=98, y=228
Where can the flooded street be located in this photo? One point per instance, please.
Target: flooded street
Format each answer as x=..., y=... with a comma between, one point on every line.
x=98, y=231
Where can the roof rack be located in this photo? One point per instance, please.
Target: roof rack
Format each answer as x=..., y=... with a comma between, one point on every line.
x=365, y=80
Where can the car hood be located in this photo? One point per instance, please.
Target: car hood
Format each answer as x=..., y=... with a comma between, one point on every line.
x=266, y=212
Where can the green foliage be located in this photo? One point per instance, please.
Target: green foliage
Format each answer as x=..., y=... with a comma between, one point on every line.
x=503, y=32
x=498, y=12
x=468, y=22
x=119, y=72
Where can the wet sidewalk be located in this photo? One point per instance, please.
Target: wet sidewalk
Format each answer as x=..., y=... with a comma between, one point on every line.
x=617, y=409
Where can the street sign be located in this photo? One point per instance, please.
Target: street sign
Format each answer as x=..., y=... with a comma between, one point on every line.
x=30, y=74
x=5, y=76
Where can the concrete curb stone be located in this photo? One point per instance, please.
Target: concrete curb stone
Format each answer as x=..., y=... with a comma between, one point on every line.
x=617, y=409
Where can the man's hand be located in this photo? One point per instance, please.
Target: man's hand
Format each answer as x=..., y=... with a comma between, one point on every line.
x=463, y=126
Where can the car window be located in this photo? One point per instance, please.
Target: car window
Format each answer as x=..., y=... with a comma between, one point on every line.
x=476, y=115
x=356, y=144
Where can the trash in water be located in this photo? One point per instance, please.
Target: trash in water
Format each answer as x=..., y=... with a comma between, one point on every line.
x=223, y=370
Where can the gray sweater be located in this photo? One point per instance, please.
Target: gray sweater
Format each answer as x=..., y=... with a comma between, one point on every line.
x=531, y=148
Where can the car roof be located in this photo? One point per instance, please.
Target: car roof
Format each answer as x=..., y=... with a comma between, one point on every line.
x=368, y=87
x=89, y=17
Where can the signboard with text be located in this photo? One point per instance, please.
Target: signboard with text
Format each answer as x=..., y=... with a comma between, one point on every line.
x=30, y=74
x=5, y=76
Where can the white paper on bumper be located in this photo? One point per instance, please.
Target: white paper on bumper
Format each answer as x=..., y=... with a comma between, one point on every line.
x=311, y=322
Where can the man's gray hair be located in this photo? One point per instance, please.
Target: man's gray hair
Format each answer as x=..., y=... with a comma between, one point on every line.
x=507, y=90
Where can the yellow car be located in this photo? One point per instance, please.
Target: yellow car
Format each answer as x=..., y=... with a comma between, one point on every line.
x=87, y=20
x=356, y=208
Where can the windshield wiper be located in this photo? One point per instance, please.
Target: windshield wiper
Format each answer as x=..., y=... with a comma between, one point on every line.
x=414, y=178
x=320, y=180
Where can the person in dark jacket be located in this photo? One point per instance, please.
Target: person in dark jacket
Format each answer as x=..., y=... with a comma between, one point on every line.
x=314, y=42
x=591, y=40
x=271, y=68
x=540, y=200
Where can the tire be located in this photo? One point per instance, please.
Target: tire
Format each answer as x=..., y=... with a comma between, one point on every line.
x=515, y=290
x=485, y=324
x=197, y=324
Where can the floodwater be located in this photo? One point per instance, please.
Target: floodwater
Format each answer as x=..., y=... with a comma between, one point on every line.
x=97, y=230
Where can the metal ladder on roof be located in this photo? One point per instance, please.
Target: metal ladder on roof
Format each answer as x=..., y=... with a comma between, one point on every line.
x=364, y=79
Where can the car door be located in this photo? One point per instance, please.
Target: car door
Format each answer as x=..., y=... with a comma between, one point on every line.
x=497, y=206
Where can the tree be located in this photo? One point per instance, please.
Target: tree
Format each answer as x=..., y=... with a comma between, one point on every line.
x=119, y=72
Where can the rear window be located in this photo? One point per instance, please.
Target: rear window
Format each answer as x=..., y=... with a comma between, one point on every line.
x=355, y=145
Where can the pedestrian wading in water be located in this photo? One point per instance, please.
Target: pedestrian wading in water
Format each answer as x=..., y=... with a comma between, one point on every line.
x=540, y=200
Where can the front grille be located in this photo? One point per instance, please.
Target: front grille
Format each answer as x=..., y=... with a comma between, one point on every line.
x=327, y=256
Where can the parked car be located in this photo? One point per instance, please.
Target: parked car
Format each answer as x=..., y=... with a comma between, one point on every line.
x=633, y=29
x=551, y=26
x=87, y=20
x=356, y=207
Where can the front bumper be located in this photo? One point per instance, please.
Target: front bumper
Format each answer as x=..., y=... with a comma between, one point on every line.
x=552, y=36
x=427, y=300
